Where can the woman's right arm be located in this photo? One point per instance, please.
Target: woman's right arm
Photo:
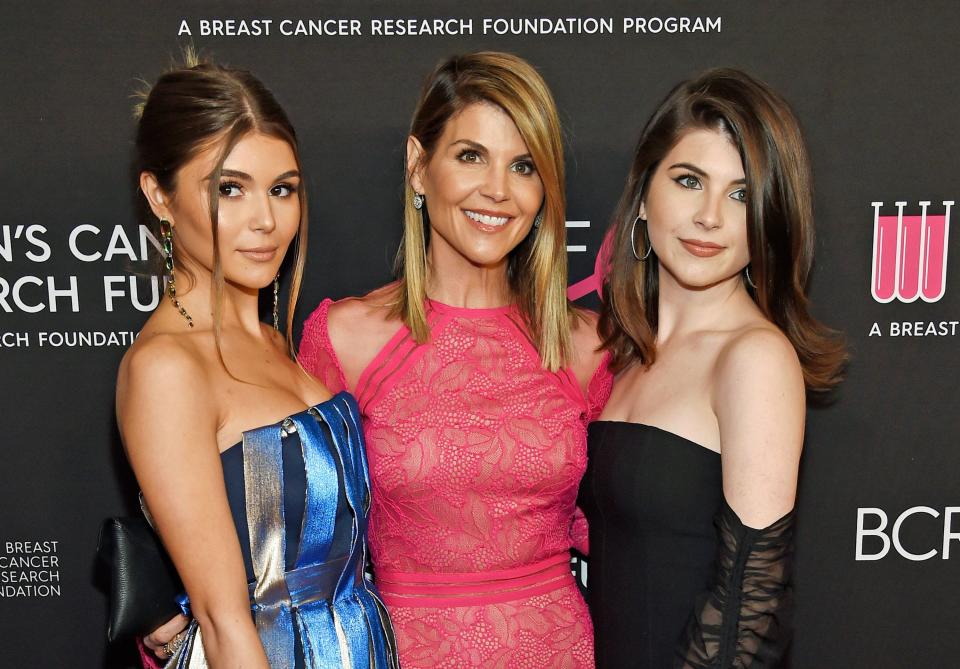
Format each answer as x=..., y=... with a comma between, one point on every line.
x=168, y=422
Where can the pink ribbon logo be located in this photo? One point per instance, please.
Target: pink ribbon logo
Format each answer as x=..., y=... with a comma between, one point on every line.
x=601, y=266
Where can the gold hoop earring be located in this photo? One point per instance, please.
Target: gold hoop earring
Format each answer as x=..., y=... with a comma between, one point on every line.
x=633, y=244
x=166, y=235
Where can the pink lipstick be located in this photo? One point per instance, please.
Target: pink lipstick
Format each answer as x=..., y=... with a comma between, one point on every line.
x=700, y=248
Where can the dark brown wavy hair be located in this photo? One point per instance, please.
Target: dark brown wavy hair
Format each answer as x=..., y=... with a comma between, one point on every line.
x=779, y=221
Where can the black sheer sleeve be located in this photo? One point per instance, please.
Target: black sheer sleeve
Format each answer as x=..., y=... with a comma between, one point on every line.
x=744, y=619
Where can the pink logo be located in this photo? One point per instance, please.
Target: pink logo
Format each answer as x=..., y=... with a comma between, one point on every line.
x=601, y=266
x=910, y=254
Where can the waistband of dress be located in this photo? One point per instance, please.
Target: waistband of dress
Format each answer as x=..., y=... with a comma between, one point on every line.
x=305, y=585
x=419, y=589
x=296, y=587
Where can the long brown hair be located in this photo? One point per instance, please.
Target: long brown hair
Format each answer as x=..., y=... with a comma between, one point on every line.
x=197, y=105
x=537, y=267
x=779, y=221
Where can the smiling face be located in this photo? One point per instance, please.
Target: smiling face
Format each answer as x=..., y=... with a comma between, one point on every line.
x=696, y=212
x=259, y=211
x=481, y=187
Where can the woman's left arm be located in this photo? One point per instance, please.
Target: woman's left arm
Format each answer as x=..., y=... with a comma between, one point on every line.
x=591, y=369
x=759, y=400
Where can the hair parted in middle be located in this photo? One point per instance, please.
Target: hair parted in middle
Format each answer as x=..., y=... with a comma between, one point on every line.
x=780, y=233
x=537, y=267
x=199, y=104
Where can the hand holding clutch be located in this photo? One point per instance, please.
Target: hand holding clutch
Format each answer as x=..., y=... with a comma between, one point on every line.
x=144, y=585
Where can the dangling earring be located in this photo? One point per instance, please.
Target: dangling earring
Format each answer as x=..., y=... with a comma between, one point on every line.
x=276, y=302
x=166, y=235
x=746, y=271
x=538, y=220
x=633, y=244
x=418, y=199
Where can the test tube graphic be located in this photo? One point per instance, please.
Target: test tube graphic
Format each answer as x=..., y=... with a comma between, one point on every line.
x=910, y=254
x=936, y=236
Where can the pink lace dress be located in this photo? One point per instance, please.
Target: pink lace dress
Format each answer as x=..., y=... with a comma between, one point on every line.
x=475, y=456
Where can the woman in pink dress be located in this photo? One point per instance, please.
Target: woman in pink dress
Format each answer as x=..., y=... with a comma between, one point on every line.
x=476, y=379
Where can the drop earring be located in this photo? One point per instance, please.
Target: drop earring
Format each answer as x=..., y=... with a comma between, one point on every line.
x=276, y=302
x=418, y=199
x=166, y=236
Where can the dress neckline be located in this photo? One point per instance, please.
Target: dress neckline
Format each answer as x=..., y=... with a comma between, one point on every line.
x=468, y=312
x=654, y=428
x=329, y=400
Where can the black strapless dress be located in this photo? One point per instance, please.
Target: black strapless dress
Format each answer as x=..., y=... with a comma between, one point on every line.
x=675, y=579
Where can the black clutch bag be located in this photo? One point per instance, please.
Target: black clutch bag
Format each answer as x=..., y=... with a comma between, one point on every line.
x=144, y=584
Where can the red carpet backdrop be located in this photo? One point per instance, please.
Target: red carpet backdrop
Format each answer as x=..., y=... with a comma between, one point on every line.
x=874, y=85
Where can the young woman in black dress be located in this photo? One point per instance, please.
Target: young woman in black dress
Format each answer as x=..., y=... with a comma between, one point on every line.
x=693, y=465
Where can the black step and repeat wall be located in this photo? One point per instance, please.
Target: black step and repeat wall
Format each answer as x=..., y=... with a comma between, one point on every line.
x=875, y=85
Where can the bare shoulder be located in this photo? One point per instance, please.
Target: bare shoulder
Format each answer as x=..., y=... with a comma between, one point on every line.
x=359, y=327
x=158, y=365
x=759, y=355
x=159, y=358
x=586, y=345
x=757, y=379
x=368, y=317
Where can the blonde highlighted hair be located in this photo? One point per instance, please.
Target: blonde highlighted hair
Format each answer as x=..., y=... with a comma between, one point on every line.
x=537, y=267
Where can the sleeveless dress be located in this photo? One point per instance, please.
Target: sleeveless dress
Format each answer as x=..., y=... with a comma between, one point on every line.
x=476, y=453
x=299, y=494
x=676, y=580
